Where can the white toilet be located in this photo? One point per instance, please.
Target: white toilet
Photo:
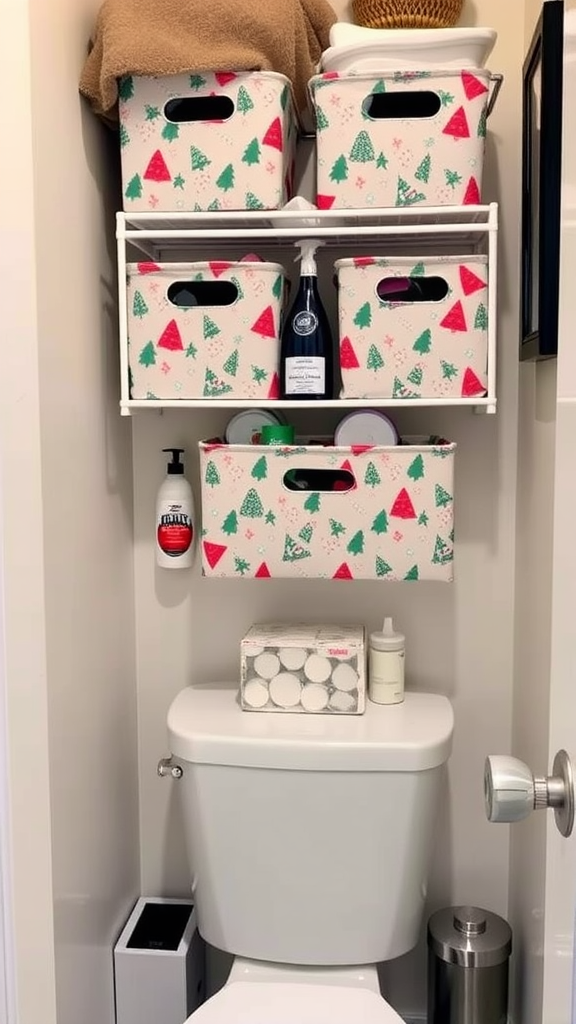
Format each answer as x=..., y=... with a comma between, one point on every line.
x=309, y=839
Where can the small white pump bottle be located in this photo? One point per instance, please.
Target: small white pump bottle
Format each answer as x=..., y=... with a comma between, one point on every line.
x=174, y=517
x=386, y=665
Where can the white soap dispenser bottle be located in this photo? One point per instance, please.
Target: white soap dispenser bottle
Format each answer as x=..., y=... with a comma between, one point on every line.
x=386, y=653
x=174, y=517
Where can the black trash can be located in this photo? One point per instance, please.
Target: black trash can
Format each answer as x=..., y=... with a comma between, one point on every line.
x=468, y=954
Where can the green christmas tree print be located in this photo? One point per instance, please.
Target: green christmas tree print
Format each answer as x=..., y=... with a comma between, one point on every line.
x=238, y=287
x=422, y=172
x=210, y=329
x=406, y=196
x=252, y=202
x=371, y=477
x=214, y=205
x=231, y=364
x=134, y=188
x=225, y=181
x=191, y=351
x=380, y=524
x=441, y=496
x=270, y=518
x=423, y=519
x=278, y=287
x=452, y=178
x=418, y=270
x=259, y=374
x=382, y=161
x=423, y=342
x=152, y=113
x=322, y=121
x=336, y=528
x=244, y=101
x=147, y=356
x=139, y=307
x=482, y=125
x=260, y=469
x=448, y=370
x=415, y=376
x=241, y=565
x=251, y=507
x=124, y=137
x=446, y=98
x=442, y=552
x=416, y=468
x=412, y=573
x=126, y=88
x=293, y=551
x=198, y=159
x=212, y=476
x=196, y=82
x=230, y=524
x=284, y=97
x=179, y=181
x=382, y=567
x=363, y=317
x=362, y=150
x=306, y=533
x=481, y=318
x=339, y=170
x=356, y=544
x=170, y=131
x=213, y=387
x=251, y=154
x=312, y=504
x=375, y=360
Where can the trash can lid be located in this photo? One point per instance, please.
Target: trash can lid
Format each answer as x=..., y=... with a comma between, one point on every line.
x=469, y=937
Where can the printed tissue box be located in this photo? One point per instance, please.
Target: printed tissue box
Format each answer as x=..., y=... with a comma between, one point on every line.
x=204, y=330
x=434, y=344
x=344, y=513
x=215, y=141
x=311, y=669
x=400, y=138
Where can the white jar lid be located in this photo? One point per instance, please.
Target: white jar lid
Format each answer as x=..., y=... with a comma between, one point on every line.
x=245, y=427
x=365, y=427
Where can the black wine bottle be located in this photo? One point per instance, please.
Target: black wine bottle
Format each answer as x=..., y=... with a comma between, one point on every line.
x=306, y=354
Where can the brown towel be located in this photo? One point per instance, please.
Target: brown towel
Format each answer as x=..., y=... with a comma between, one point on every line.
x=169, y=37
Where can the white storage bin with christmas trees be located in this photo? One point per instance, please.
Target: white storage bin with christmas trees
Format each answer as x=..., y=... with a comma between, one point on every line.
x=210, y=141
x=389, y=516
x=400, y=138
x=204, y=329
x=434, y=344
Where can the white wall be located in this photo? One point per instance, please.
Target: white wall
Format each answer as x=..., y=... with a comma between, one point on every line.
x=460, y=638
x=66, y=466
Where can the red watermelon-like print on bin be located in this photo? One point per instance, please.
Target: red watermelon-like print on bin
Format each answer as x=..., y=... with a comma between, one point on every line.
x=348, y=357
x=214, y=553
x=274, y=389
x=471, y=385
x=470, y=281
x=262, y=572
x=343, y=572
x=274, y=136
x=147, y=268
x=458, y=125
x=472, y=193
x=223, y=77
x=455, y=319
x=170, y=338
x=473, y=87
x=218, y=267
x=264, y=325
x=403, y=507
x=325, y=202
x=157, y=169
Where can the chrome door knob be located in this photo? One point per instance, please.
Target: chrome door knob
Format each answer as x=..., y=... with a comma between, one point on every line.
x=512, y=792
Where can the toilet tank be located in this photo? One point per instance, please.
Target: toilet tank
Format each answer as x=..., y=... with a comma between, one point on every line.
x=309, y=836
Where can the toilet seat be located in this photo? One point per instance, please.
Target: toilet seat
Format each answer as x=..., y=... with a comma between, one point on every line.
x=278, y=1003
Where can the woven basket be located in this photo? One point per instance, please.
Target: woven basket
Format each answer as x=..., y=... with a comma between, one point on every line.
x=407, y=13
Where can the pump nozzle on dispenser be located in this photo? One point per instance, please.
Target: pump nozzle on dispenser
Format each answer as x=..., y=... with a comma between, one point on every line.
x=307, y=256
x=175, y=467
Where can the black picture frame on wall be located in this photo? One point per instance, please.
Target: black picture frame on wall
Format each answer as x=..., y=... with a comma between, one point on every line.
x=541, y=184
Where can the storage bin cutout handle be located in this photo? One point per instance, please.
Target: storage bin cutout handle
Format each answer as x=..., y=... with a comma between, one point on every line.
x=320, y=480
x=417, y=105
x=187, y=109
x=192, y=294
x=395, y=290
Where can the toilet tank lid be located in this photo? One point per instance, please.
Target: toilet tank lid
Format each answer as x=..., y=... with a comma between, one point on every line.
x=207, y=726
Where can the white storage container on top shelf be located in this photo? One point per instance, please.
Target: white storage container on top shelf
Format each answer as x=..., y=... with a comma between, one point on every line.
x=413, y=328
x=204, y=329
x=361, y=512
x=210, y=141
x=400, y=138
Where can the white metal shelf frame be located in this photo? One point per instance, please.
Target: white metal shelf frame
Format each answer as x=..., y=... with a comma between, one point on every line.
x=164, y=236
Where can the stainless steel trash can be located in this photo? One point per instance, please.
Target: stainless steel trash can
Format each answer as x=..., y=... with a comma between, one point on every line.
x=468, y=953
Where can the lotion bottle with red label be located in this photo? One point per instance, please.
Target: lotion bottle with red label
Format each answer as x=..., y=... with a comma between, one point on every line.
x=175, y=517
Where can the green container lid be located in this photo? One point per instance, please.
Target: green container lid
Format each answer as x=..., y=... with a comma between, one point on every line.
x=277, y=433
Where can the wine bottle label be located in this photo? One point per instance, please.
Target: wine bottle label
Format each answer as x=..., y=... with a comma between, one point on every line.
x=305, y=322
x=305, y=375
